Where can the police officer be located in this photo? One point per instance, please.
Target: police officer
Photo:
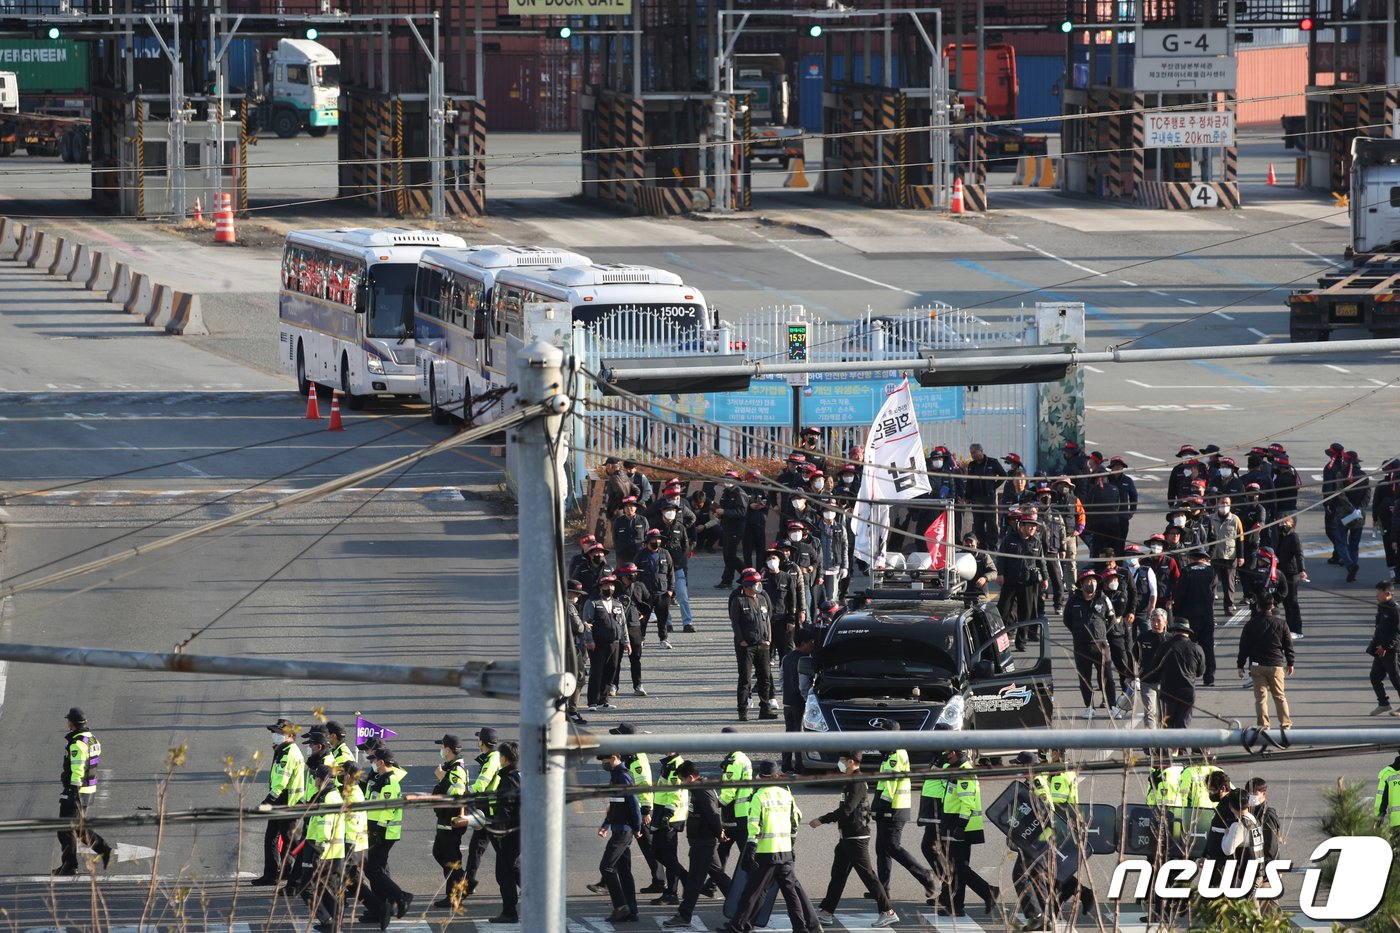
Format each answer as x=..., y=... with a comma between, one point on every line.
x=962, y=826
x=931, y=796
x=482, y=790
x=892, y=809
x=318, y=766
x=606, y=618
x=447, y=843
x=384, y=898
x=623, y=822
x=1021, y=574
x=505, y=830
x=352, y=791
x=1387, y=808
x=703, y=830
x=1384, y=648
x=324, y=890
x=669, y=811
x=639, y=766
x=751, y=618
x=734, y=801
x=82, y=753
x=339, y=752
x=1060, y=791
x=768, y=857
x=1031, y=836
x=852, y=817
x=286, y=784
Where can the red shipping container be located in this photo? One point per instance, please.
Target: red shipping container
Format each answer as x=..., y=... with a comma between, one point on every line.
x=1271, y=72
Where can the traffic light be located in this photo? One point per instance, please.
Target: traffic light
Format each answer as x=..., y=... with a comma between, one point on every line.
x=53, y=32
x=1307, y=24
x=563, y=32
x=815, y=31
x=1066, y=26
x=312, y=32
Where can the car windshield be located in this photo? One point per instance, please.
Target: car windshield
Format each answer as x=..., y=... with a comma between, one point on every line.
x=391, y=300
x=328, y=75
x=886, y=659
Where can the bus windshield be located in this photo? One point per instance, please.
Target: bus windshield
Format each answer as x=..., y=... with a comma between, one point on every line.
x=391, y=300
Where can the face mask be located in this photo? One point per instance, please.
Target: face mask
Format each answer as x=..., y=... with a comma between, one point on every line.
x=728, y=484
x=1179, y=521
x=1256, y=799
x=1224, y=510
x=937, y=464
x=799, y=505
x=1089, y=589
x=774, y=563
x=794, y=536
x=606, y=592
x=1131, y=562
x=669, y=515
x=654, y=544
x=595, y=558
x=829, y=516
x=1113, y=584
x=606, y=766
x=446, y=754
x=1155, y=548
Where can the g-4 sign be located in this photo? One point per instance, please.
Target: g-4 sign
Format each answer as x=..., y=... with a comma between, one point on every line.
x=1168, y=43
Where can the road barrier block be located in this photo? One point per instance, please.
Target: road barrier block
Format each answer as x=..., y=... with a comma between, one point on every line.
x=162, y=301
x=82, y=264
x=42, y=254
x=64, y=255
x=100, y=274
x=186, y=315
x=138, y=300
x=28, y=240
x=11, y=235
x=120, y=289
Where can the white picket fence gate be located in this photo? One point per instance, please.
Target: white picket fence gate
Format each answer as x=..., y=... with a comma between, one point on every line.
x=745, y=426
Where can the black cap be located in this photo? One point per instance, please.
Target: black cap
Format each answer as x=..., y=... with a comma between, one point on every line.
x=317, y=736
x=449, y=741
x=320, y=773
x=768, y=768
x=334, y=728
x=487, y=735
x=383, y=753
x=282, y=726
x=623, y=728
x=76, y=715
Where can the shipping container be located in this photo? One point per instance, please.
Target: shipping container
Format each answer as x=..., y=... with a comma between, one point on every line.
x=1270, y=72
x=46, y=67
x=814, y=76
x=511, y=89
x=1042, y=84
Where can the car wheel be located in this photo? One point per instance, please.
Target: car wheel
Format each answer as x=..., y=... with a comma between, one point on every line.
x=435, y=411
x=352, y=401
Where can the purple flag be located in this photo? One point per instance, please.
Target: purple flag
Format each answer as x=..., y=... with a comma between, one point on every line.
x=364, y=729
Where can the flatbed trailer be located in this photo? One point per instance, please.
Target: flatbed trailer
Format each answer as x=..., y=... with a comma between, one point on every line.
x=1364, y=297
x=44, y=135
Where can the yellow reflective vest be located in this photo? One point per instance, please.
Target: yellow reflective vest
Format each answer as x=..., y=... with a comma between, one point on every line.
x=288, y=774
x=963, y=800
x=677, y=801
x=737, y=767
x=84, y=755
x=640, y=766
x=357, y=822
x=895, y=791
x=773, y=819
x=1192, y=787
x=331, y=831
x=1166, y=791
x=388, y=786
x=1388, y=796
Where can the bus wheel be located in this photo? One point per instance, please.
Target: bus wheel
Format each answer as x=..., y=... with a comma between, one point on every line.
x=468, y=405
x=303, y=384
x=438, y=415
x=352, y=401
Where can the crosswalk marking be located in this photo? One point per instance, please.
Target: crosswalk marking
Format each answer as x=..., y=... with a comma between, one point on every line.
x=952, y=924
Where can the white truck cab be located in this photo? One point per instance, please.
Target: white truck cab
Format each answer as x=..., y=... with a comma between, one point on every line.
x=1375, y=196
x=305, y=88
x=9, y=92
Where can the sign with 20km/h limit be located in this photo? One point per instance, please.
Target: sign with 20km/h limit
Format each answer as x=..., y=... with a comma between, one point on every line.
x=1183, y=130
x=569, y=7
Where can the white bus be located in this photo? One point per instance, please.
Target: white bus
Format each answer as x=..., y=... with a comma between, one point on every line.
x=345, y=309
x=452, y=320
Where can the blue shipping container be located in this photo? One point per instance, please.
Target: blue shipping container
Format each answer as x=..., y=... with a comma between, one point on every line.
x=1041, y=82
x=814, y=77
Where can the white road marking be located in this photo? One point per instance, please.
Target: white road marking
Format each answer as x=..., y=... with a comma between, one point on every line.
x=837, y=269
x=1259, y=333
x=1379, y=382
x=1073, y=265
x=1157, y=291
x=1186, y=301
x=128, y=445
x=1239, y=616
x=952, y=924
x=1143, y=456
x=126, y=852
x=1335, y=368
x=1129, y=284
x=195, y=470
x=1093, y=369
x=1222, y=315
x=1326, y=259
x=1136, y=383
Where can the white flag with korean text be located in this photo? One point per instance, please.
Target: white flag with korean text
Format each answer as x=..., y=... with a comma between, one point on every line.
x=894, y=469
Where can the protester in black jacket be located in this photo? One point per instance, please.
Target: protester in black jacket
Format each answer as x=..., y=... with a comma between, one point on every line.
x=1266, y=815
x=751, y=618
x=1151, y=633
x=1087, y=616
x=1021, y=574
x=1267, y=647
x=1292, y=566
x=703, y=831
x=1176, y=665
x=1195, y=599
x=984, y=479
x=505, y=832
x=852, y=817
x=733, y=512
x=1385, y=647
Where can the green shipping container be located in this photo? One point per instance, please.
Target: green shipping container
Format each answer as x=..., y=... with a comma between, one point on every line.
x=46, y=67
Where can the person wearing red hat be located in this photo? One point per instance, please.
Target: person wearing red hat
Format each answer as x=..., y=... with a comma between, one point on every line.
x=1225, y=479
x=1190, y=468
x=1286, y=484
x=1348, y=504
x=658, y=575
x=616, y=487
x=980, y=488
x=1022, y=576
x=590, y=566
x=636, y=602
x=733, y=512
x=606, y=618
x=1260, y=470
x=1333, y=453
x=1088, y=615
x=751, y=618
x=629, y=530
x=809, y=443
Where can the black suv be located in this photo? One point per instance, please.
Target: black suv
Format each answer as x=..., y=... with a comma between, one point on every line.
x=923, y=657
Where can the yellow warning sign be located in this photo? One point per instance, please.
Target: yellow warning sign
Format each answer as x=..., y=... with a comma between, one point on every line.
x=569, y=7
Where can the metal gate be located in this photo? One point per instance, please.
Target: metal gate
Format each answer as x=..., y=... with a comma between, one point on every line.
x=688, y=429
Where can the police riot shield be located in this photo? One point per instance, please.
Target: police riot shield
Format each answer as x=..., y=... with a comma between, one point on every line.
x=736, y=896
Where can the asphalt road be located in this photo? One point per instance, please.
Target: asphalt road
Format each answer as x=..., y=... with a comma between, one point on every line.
x=114, y=435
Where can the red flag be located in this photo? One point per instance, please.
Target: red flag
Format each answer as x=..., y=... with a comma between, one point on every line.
x=934, y=539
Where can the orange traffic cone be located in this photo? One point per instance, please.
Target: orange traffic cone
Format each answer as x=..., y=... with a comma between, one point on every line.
x=313, y=408
x=1273, y=179
x=335, y=424
x=957, y=206
x=199, y=219
x=223, y=221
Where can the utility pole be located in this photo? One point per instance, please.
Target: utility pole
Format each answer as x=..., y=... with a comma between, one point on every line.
x=538, y=376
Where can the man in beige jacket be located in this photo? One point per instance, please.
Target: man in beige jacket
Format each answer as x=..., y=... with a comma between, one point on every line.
x=1226, y=549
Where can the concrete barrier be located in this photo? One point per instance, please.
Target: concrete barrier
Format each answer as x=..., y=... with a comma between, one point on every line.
x=120, y=289
x=28, y=240
x=11, y=235
x=82, y=264
x=42, y=254
x=162, y=304
x=186, y=315
x=100, y=275
x=64, y=255
x=138, y=300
